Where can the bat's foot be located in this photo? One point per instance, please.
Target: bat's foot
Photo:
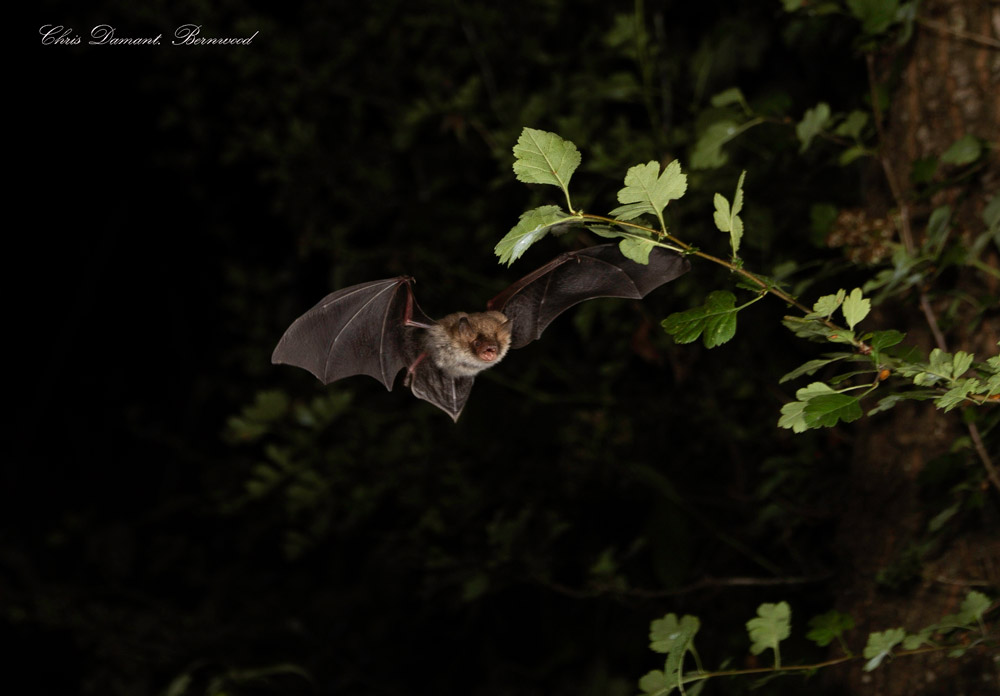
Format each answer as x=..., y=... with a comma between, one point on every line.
x=412, y=369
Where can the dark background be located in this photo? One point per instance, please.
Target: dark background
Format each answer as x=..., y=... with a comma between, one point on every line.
x=176, y=508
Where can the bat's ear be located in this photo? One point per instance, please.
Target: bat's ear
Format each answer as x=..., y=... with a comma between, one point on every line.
x=464, y=329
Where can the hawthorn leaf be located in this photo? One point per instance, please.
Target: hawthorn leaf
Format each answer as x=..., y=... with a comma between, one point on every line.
x=974, y=606
x=826, y=410
x=636, y=249
x=811, y=366
x=727, y=217
x=881, y=340
x=707, y=152
x=772, y=625
x=826, y=628
x=715, y=321
x=812, y=124
x=648, y=191
x=855, y=307
x=533, y=225
x=655, y=683
x=880, y=645
x=828, y=304
x=542, y=157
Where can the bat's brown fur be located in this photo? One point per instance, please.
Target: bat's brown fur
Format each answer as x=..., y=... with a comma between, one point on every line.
x=464, y=344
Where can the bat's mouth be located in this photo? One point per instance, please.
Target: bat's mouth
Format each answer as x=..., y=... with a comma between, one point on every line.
x=488, y=354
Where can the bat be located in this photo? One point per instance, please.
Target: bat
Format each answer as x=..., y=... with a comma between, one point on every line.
x=378, y=329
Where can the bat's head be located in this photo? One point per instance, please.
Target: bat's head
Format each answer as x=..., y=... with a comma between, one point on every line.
x=464, y=345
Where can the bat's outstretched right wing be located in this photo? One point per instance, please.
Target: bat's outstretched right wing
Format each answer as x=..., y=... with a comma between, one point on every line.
x=360, y=330
x=599, y=271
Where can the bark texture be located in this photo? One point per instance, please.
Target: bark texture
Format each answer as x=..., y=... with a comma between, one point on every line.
x=946, y=84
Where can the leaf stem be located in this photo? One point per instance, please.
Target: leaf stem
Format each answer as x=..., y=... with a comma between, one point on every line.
x=676, y=244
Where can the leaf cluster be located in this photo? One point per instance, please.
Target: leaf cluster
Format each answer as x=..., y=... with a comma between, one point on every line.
x=955, y=634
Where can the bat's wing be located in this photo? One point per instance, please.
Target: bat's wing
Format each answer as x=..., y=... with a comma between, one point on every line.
x=449, y=394
x=361, y=330
x=600, y=271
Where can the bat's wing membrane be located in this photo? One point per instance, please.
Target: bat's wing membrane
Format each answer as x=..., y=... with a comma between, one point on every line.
x=447, y=393
x=600, y=271
x=361, y=329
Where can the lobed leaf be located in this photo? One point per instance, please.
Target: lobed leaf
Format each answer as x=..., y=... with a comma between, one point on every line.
x=715, y=321
x=974, y=606
x=648, y=191
x=542, y=157
x=826, y=410
x=532, y=226
x=772, y=625
x=727, y=217
x=636, y=249
x=826, y=628
x=828, y=304
x=855, y=307
x=880, y=645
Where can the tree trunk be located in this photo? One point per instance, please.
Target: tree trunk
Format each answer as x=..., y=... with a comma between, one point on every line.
x=948, y=86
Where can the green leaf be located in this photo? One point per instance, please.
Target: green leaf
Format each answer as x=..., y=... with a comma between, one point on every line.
x=826, y=410
x=716, y=319
x=956, y=395
x=891, y=400
x=707, y=152
x=855, y=307
x=828, y=627
x=533, y=225
x=881, y=340
x=816, y=330
x=812, y=124
x=963, y=151
x=974, y=606
x=880, y=645
x=828, y=304
x=655, y=683
x=850, y=154
x=648, y=191
x=915, y=640
x=772, y=625
x=875, y=15
x=727, y=218
x=675, y=638
x=733, y=95
x=961, y=363
x=636, y=249
x=545, y=158
x=670, y=633
x=852, y=125
x=810, y=367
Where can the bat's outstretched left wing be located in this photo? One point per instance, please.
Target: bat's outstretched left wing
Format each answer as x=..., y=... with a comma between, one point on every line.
x=361, y=330
x=599, y=271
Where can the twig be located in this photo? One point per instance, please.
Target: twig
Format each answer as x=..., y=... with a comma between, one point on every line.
x=960, y=33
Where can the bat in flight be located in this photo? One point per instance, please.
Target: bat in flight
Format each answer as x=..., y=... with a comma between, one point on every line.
x=378, y=329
